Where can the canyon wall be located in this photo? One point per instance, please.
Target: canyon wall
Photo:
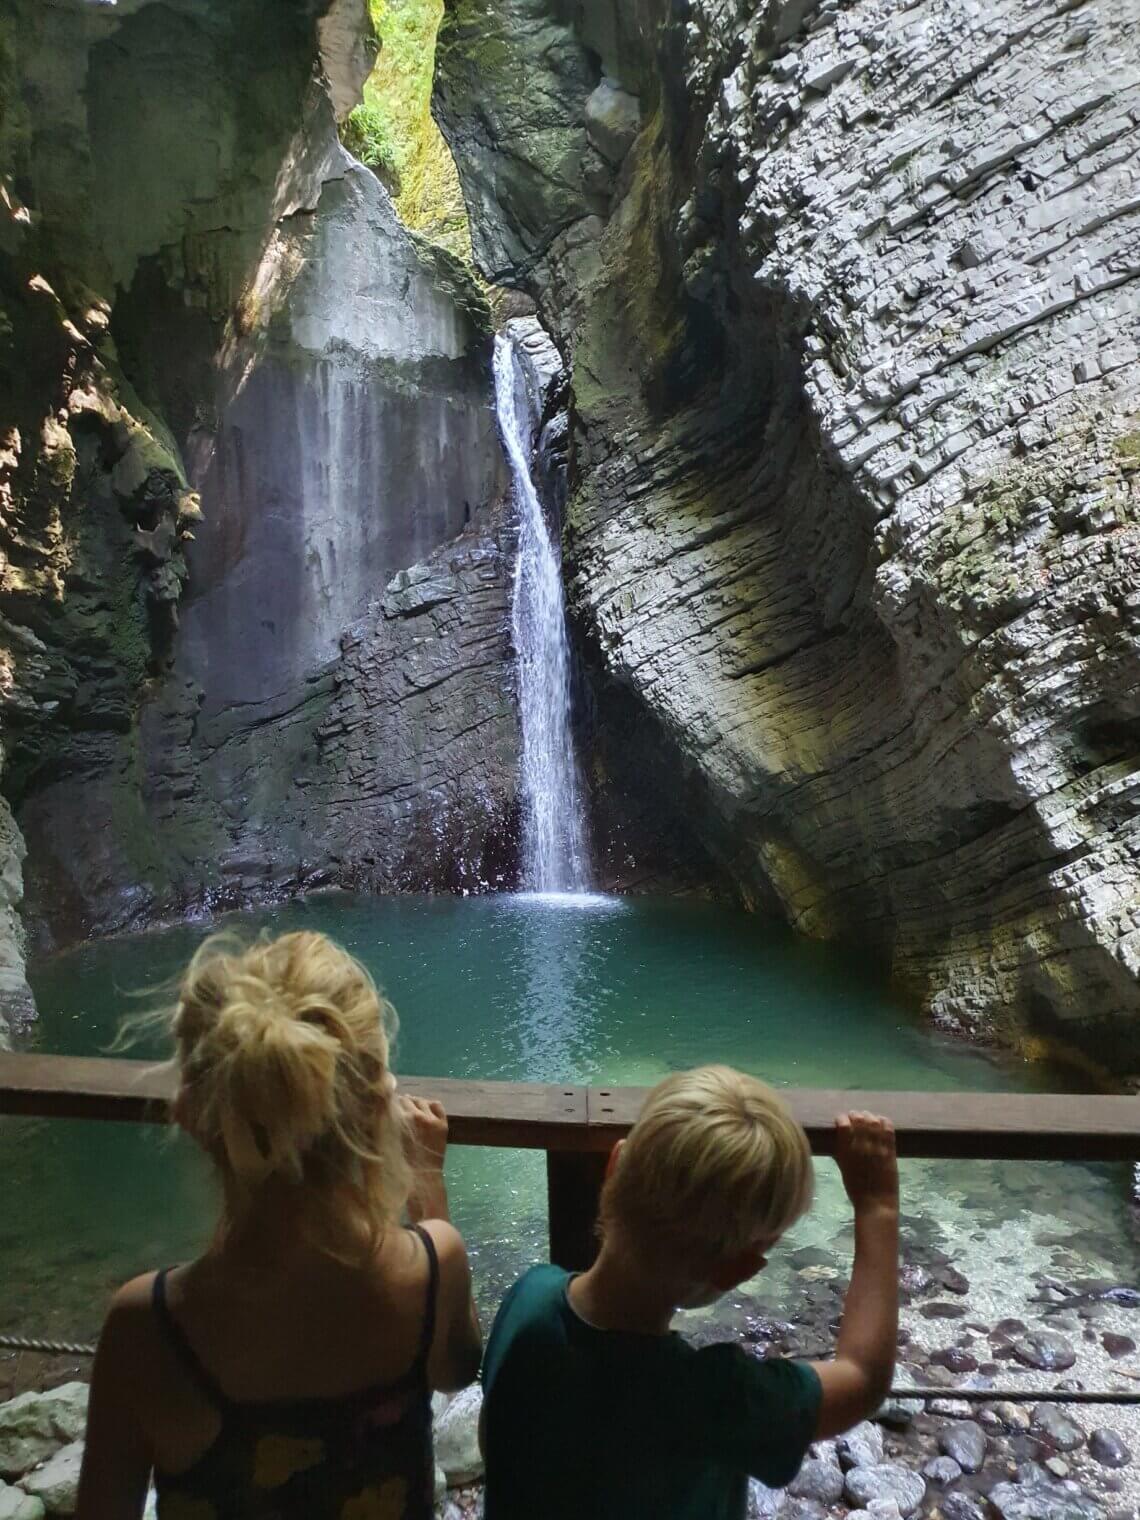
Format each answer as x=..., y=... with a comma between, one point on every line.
x=852, y=298
x=253, y=600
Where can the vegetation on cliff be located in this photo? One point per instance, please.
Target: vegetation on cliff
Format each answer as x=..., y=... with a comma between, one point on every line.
x=394, y=133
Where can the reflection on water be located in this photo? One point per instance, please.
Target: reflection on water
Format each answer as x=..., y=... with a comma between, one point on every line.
x=527, y=988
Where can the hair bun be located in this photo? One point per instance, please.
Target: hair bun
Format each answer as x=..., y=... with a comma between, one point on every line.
x=274, y=1082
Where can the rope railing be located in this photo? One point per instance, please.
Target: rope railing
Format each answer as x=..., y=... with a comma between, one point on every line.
x=902, y=1392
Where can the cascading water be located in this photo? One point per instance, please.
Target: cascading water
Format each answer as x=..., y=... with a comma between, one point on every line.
x=554, y=852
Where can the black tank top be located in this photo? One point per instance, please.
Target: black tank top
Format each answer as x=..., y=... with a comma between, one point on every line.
x=359, y=1456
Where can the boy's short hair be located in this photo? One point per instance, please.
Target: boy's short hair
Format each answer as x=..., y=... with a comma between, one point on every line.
x=715, y=1165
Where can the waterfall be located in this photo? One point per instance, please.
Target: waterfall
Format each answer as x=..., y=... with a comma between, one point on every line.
x=554, y=854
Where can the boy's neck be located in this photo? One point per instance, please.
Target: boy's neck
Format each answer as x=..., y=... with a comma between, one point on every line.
x=618, y=1294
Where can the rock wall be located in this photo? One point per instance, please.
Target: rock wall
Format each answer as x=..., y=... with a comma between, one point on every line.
x=852, y=298
x=264, y=644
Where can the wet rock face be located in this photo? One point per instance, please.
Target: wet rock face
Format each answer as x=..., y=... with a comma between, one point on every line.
x=249, y=698
x=856, y=387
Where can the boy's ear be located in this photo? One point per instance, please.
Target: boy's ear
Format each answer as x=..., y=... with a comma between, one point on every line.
x=612, y=1159
x=733, y=1270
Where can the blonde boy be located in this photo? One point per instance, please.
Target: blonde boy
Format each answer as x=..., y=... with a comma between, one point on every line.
x=595, y=1410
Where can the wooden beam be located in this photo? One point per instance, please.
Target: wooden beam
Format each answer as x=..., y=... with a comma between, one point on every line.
x=529, y=1115
x=969, y=1126
x=543, y=1116
x=573, y=1183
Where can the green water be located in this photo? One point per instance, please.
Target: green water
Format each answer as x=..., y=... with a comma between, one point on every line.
x=621, y=991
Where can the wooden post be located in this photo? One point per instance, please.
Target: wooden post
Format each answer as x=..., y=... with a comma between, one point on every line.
x=573, y=1183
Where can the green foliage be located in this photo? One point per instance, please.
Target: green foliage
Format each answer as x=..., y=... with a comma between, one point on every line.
x=367, y=134
x=393, y=130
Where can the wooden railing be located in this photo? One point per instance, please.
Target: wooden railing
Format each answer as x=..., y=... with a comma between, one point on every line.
x=577, y=1126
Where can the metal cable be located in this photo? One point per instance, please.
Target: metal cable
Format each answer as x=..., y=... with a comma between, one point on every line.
x=925, y=1395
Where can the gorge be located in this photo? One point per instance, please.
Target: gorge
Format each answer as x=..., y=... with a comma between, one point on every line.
x=844, y=436
x=640, y=545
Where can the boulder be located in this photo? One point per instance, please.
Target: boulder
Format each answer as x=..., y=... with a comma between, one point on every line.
x=1108, y=1449
x=817, y=1480
x=457, y=1437
x=1043, y=1501
x=56, y=1483
x=862, y=1446
x=885, y=1481
x=35, y=1425
x=1050, y=1423
x=965, y=1442
x=15, y=1504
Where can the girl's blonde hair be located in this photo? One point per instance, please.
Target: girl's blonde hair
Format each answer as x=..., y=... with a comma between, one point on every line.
x=714, y=1166
x=282, y=1048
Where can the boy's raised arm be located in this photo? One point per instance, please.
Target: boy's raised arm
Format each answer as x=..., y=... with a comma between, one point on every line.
x=857, y=1380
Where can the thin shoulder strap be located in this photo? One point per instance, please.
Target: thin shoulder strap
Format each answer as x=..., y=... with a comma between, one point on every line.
x=178, y=1343
x=428, y=1333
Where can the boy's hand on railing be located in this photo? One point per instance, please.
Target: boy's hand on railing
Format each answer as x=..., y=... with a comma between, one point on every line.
x=868, y=1163
x=425, y=1136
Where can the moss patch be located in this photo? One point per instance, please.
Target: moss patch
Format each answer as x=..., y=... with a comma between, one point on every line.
x=394, y=132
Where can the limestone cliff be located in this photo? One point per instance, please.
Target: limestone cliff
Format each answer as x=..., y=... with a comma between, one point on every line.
x=850, y=296
x=253, y=600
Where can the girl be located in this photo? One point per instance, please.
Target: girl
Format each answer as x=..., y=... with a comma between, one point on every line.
x=288, y=1372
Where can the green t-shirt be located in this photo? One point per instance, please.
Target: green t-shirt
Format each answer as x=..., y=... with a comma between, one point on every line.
x=586, y=1424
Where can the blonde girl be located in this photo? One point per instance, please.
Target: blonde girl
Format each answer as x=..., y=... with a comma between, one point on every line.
x=288, y=1371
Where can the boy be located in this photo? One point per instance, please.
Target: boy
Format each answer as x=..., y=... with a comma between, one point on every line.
x=594, y=1410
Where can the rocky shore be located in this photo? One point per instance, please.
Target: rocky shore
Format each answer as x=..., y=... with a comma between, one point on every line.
x=984, y=1448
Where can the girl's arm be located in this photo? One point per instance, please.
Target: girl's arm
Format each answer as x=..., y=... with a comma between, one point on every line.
x=458, y=1346
x=117, y=1457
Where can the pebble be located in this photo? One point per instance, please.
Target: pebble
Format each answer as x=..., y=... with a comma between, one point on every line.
x=1042, y=1501
x=952, y=1409
x=1044, y=1350
x=898, y=1413
x=763, y=1502
x=1009, y=1327
x=954, y=1359
x=884, y=1509
x=939, y=1309
x=1051, y=1424
x=1117, y=1345
x=915, y=1280
x=960, y=1507
x=862, y=1446
x=953, y=1280
x=1012, y=1416
x=942, y=1470
x=885, y=1481
x=965, y=1441
x=1058, y=1467
x=1123, y=1298
x=1108, y=1449
x=818, y=1480
x=802, y=1509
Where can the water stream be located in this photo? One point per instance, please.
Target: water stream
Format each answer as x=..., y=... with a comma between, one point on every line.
x=554, y=851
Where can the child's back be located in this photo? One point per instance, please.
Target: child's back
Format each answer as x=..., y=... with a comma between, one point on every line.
x=594, y=1408
x=582, y=1421
x=289, y=1369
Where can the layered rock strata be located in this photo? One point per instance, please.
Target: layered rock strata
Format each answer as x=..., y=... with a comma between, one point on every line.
x=851, y=297
x=259, y=484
